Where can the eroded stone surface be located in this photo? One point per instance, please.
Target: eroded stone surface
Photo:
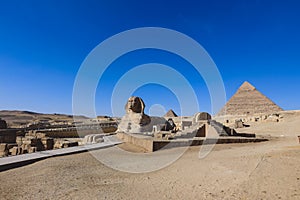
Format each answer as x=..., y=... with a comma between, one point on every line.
x=136, y=121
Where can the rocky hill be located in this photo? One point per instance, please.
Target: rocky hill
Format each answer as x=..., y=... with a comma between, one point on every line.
x=16, y=119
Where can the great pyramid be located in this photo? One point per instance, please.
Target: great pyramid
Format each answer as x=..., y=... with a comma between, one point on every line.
x=170, y=113
x=247, y=100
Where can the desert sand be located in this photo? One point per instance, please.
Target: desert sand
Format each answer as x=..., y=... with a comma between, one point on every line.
x=266, y=170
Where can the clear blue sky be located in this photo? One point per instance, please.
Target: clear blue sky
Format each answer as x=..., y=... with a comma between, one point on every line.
x=43, y=43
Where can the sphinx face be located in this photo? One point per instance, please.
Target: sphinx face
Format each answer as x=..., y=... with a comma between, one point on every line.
x=134, y=104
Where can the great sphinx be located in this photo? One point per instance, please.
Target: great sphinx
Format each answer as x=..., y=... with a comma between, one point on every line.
x=136, y=121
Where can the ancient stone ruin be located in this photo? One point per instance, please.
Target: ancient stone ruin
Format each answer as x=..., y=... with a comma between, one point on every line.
x=173, y=131
x=41, y=135
x=248, y=101
x=93, y=138
x=171, y=127
x=170, y=113
x=3, y=124
x=136, y=121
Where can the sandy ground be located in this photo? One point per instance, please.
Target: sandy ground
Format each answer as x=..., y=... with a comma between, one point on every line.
x=267, y=170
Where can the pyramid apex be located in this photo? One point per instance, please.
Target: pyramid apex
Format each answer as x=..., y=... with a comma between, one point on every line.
x=246, y=86
x=170, y=113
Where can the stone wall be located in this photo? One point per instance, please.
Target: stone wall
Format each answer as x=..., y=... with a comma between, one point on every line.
x=8, y=136
x=3, y=124
x=143, y=142
x=73, y=133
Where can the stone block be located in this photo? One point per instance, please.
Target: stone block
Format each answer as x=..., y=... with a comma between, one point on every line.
x=30, y=133
x=25, y=148
x=238, y=124
x=19, y=140
x=37, y=142
x=11, y=145
x=158, y=135
x=3, y=150
x=66, y=144
x=93, y=138
x=35, y=134
x=57, y=145
x=20, y=150
x=147, y=144
x=48, y=143
x=32, y=149
x=3, y=146
x=14, y=151
x=201, y=132
x=40, y=135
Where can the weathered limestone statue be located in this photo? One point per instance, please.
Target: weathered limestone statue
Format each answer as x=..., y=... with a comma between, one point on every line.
x=135, y=120
x=135, y=109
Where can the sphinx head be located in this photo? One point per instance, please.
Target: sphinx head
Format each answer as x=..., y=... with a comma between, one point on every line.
x=135, y=105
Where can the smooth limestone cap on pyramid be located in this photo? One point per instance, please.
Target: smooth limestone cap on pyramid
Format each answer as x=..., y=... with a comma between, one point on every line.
x=247, y=100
